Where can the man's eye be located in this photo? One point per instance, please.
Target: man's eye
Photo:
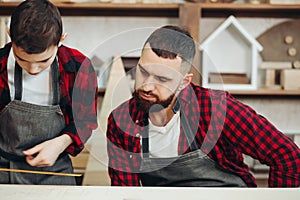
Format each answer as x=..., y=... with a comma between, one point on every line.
x=162, y=79
x=144, y=72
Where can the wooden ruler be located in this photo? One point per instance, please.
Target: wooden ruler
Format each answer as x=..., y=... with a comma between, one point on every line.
x=39, y=172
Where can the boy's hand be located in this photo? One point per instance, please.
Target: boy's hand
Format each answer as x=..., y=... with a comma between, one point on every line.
x=46, y=153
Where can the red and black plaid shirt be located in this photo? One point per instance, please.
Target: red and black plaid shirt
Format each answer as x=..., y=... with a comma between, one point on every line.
x=225, y=130
x=78, y=94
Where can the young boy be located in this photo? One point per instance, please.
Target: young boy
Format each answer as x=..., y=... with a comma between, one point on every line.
x=48, y=98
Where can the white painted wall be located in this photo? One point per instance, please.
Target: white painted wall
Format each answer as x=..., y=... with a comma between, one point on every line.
x=89, y=34
x=126, y=35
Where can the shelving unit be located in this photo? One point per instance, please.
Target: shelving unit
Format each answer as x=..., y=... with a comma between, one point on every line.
x=190, y=16
x=189, y=11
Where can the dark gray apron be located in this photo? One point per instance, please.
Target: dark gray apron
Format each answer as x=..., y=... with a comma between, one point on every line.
x=24, y=125
x=192, y=169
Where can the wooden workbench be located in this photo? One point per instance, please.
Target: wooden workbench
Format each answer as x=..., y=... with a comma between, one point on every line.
x=29, y=192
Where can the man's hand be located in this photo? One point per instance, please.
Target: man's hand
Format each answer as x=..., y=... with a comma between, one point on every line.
x=46, y=153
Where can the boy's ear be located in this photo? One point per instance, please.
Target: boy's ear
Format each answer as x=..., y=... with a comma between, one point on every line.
x=8, y=31
x=62, y=38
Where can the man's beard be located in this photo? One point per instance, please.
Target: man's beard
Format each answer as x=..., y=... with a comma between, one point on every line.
x=149, y=106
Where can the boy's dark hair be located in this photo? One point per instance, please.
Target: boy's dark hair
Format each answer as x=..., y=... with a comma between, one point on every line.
x=35, y=26
x=171, y=41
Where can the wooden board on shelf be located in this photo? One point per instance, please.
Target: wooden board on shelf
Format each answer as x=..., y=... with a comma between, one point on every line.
x=228, y=78
x=266, y=92
x=106, y=9
x=290, y=79
x=281, y=43
x=284, y=2
x=275, y=65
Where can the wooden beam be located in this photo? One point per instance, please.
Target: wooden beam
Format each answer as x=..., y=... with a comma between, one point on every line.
x=189, y=17
x=117, y=91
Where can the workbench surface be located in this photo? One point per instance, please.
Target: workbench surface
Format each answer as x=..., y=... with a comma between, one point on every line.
x=32, y=192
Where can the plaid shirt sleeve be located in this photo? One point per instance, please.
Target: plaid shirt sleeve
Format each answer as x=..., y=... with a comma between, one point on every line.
x=4, y=89
x=78, y=84
x=257, y=137
x=123, y=152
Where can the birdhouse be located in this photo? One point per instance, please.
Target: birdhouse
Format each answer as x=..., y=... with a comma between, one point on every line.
x=230, y=58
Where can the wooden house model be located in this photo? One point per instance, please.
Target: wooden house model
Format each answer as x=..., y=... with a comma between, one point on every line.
x=230, y=58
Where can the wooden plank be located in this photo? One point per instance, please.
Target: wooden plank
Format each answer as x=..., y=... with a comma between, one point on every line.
x=276, y=65
x=170, y=9
x=267, y=92
x=288, y=2
x=249, y=10
x=289, y=79
x=80, y=161
x=280, y=42
x=189, y=15
x=270, y=77
x=3, y=33
x=106, y=9
x=297, y=140
x=117, y=91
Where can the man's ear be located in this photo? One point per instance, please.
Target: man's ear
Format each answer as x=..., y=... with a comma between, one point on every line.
x=62, y=38
x=186, y=81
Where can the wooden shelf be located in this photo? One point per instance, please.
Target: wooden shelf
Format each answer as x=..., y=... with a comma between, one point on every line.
x=189, y=15
x=249, y=10
x=167, y=10
x=258, y=93
x=106, y=9
x=264, y=92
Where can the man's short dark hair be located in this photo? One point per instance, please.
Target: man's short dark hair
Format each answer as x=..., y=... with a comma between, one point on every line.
x=171, y=41
x=35, y=26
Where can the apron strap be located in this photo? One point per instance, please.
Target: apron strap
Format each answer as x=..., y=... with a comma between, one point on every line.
x=145, y=139
x=186, y=127
x=18, y=82
x=55, y=82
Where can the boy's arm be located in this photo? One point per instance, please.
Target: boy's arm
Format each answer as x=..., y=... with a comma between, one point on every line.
x=83, y=108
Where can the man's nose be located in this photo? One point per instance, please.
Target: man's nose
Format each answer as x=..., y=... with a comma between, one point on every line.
x=149, y=84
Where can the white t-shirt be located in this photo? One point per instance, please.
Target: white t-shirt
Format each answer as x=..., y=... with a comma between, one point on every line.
x=163, y=140
x=37, y=89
